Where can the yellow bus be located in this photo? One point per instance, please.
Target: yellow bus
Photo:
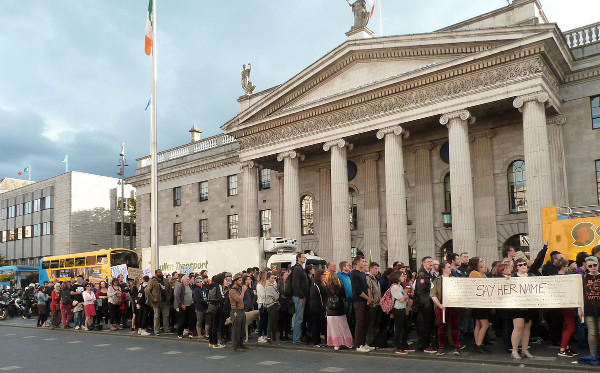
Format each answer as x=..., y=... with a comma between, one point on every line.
x=93, y=266
x=571, y=230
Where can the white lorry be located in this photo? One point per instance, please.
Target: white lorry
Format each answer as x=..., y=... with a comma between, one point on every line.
x=228, y=256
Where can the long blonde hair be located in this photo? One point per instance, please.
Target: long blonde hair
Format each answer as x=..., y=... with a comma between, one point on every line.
x=262, y=278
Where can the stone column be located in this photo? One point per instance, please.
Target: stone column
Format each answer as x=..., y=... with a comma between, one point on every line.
x=292, y=225
x=557, y=159
x=251, y=218
x=325, y=240
x=340, y=218
x=537, y=163
x=461, y=181
x=372, y=231
x=395, y=193
x=425, y=240
x=484, y=196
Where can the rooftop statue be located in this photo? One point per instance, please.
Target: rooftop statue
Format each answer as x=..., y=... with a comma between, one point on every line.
x=361, y=15
x=246, y=83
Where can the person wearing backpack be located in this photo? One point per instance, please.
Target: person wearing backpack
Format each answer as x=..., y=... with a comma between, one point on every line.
x=214, y=312
x=300, y=293
x=452, y=314
x=401, y=320
x=65, y=303
x=338, y=331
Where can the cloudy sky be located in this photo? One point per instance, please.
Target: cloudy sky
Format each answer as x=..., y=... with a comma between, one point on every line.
x=74, y=78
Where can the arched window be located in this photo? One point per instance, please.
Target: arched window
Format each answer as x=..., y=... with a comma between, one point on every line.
x=353, y=210
x=447, y=194
x=307, y=215
x=517, y=187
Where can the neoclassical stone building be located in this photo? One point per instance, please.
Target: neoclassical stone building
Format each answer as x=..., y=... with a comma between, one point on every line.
x=404, y=146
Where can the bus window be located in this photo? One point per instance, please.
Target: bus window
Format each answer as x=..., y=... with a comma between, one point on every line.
x=54, y=264
x=45, y=265
x=61, y=263
x=69, y=262
x=90, y=260
x=102, y=259
x=79, y=262
x=124, y=257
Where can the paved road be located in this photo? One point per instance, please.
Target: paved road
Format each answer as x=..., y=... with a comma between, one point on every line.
x=35, y=349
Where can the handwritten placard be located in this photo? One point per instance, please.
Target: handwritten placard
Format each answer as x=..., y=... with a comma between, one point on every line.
x=517, y=292
x=117, y=270
x=134, y=272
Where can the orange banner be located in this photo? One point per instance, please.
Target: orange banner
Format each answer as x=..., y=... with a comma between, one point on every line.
x=570, y=236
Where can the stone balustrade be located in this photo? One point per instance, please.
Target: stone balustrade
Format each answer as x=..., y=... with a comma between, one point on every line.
x=583, y=36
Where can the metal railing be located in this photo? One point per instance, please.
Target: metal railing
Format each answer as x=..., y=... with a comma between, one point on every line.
x=209, y=143
x=583, y=36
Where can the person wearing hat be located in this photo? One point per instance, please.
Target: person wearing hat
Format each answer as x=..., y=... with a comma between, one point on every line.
x=238, y=317
x=591, y=302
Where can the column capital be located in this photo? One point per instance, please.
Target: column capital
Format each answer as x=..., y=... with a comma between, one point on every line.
x=339, y=143
x=250, y=164
x=459, y=114
x=489, y=134
x=370, y=157
x=396, y=130
x=558, y=120
x=290, y=154
x=541, y=97
x=425, y=146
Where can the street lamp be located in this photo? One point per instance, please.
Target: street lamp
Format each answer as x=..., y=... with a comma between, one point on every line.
x=122, y=164
x=447, y=219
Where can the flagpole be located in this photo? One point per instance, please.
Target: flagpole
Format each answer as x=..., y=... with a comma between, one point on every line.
x=380, y=25
x=153, y=155
x=67, y=164
x=29, y=172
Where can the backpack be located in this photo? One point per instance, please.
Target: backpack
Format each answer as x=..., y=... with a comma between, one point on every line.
x=387, y=302
x=287, y=288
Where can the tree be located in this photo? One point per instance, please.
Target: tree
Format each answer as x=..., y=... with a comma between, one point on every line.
x=3, y=261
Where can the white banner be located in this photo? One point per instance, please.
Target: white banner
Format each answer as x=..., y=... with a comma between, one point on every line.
x=120, y=269
x=517, y=292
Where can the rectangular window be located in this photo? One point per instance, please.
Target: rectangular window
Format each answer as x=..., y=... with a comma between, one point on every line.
x=3, y=236
x=37, y=205
x=203, y=230
x=598, y=179
x=232, y=226
x=232, y=185
x=595, y=101
x=177, y=196
x=4, y=213
x=28, y=206
x=265, y=179
x=19, y=233
x=117, y=228
x=203, y=187
x=20, y=209
x=28, y=231
x=47, y=202
x=11, y=234
x=37, y=230
x=47, y=228
x=265, y=223
x=177, y=239
x=11, y=212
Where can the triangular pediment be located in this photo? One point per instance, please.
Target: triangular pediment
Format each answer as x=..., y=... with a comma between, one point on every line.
x=360, y=65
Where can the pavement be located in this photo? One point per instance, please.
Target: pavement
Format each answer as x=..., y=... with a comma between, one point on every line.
x=26, y=348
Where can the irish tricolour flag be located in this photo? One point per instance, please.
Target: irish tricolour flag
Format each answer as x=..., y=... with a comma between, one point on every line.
x=372, y=4
x=148, y=44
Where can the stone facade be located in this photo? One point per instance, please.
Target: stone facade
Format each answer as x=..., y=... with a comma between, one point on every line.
x=506, y=85
x=80, y=212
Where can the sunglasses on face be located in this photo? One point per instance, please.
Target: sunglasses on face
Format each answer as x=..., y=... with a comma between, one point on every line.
x=522, y=265
x=593, y=265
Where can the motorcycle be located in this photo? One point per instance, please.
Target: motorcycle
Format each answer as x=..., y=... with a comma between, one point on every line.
x=8, y=307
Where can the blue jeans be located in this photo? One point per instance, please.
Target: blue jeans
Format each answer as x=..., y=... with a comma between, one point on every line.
x=263, y=321
x=298, y=316
x=78, y=318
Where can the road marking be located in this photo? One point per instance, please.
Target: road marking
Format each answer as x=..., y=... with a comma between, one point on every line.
x=216, y=357
x=29, y=336
x=171, y=352
x=102, y=345
x=332, y=369
x=73, y=342
x=9, y=335
x=10, y=368
x=133, y=348
x=269, y=362
x=50, y=339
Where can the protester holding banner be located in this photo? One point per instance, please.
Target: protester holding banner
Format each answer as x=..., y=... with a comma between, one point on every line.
x=591, y=302
x=452, y=315
x=478, y=269
x=522, y=318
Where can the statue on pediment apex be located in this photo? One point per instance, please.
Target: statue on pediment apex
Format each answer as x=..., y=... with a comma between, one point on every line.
x=247, y=85
x=361, y=14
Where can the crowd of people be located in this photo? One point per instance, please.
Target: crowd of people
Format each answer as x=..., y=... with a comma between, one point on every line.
x=347, y=305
